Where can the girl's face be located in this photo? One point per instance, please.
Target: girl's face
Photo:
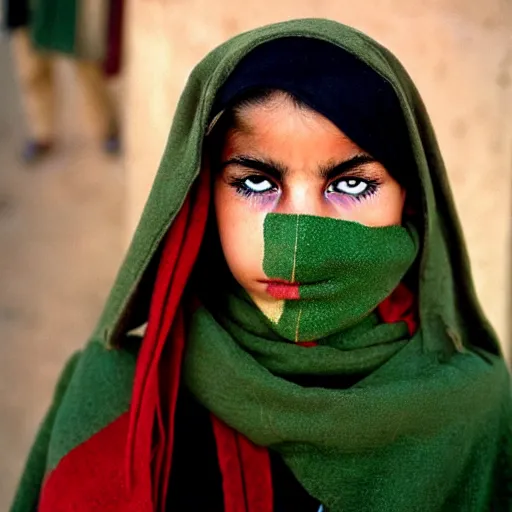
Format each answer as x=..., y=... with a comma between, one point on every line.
x=285, y=159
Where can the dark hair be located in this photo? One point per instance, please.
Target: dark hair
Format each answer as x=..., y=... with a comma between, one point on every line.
x=229, y=118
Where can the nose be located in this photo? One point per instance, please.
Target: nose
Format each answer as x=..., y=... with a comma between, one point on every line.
x=303, y=198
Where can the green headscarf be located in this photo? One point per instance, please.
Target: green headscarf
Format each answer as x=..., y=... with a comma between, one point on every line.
x=426, y=425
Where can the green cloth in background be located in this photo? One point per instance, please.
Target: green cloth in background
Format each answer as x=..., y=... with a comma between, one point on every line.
x=54, y=25
x=75, y=28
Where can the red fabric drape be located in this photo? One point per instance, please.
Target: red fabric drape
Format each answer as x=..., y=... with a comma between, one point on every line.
x=151, y=430
x=245, y=469
x=114, y=48
x=400, y=306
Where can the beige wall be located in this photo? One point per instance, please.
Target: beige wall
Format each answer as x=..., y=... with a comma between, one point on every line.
x=459, y=53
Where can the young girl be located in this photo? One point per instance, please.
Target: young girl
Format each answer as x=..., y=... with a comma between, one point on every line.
x=311, y=337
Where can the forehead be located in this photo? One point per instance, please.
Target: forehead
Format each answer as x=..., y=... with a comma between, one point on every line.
x=286, y=130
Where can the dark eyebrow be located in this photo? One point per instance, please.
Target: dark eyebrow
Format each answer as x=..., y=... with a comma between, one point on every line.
x=331, y=171
x=274, y=169
x=278, y=170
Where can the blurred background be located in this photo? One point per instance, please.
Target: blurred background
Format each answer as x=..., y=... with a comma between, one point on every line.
x=73, y=183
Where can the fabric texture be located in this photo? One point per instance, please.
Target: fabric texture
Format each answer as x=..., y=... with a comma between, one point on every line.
x=439, y=405
x=246, y=471
x=196, y=456
x=53, y=25
x=114, y=49
x=353, y=446
x=339, y=271
x=84, y=29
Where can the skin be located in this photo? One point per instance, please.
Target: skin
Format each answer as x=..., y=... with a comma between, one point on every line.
x=283, y=158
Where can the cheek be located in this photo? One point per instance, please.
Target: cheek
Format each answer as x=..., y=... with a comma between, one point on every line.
x=388, y=207
x=394, y=205
x=240, y=233
x=383, y=209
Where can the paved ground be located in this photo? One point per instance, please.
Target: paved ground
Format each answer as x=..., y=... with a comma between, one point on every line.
x=61, y=239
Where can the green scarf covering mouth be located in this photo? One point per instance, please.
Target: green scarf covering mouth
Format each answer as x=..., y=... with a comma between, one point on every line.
x=338, y=271
x=383, y=433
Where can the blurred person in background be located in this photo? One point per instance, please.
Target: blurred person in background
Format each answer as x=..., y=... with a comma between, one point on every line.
x=88, y=32
x=294, y=327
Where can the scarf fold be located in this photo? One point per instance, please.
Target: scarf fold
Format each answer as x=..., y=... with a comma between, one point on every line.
x=151, y=428
x=245, y=469
x=366, y=446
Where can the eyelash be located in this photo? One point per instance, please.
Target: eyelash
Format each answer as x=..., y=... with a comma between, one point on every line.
x=372, y=187
x=241, y=188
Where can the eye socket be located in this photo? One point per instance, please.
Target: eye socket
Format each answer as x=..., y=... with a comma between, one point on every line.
x=252, y=185
x=257, y=184
x=350, y=186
